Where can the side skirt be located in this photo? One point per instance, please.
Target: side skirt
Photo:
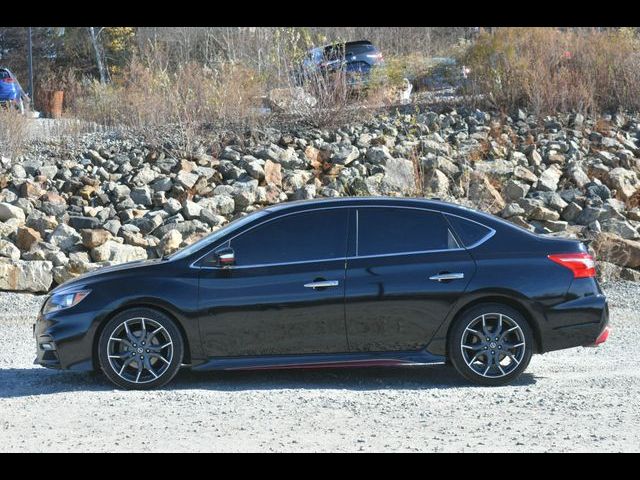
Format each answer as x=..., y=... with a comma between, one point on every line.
x=330, y=360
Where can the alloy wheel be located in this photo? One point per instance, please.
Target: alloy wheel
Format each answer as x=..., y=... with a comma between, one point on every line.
x=493, y=345
x=140, y=350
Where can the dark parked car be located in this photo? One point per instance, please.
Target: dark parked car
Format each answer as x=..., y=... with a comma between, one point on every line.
x=355, y=59
x=333, y=283
x=11, y=93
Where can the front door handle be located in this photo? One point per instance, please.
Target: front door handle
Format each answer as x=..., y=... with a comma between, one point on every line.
x=443, y=277
x=322, y=284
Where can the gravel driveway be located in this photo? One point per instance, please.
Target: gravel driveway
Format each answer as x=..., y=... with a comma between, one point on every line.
x=581, y=399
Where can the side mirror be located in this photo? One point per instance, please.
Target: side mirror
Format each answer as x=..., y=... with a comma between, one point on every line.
x=225, y=257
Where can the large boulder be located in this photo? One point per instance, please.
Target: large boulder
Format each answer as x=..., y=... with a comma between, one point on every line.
x=64, y=237
x=25, y=237
x=26, y=276
x=170, y=242
x=548, y=180
x=437, y=184
x=624, y=181
x=612, y=248
x=9, y=250
x=399, y=176
x=484, y=195
x=115, y=252
x=8, y=211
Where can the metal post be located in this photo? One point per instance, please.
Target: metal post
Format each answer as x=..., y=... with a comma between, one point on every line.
x=30, y=69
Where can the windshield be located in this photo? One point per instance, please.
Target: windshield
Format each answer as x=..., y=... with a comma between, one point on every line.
x=218, y=234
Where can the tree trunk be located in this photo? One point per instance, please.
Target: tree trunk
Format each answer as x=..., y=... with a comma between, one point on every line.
x=98, y=53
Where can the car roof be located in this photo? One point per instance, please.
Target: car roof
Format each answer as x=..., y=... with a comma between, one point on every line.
x=420, y=202
x=368, y=201
x=347, y=44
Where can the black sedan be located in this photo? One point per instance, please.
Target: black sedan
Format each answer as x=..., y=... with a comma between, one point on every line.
x=332, y=283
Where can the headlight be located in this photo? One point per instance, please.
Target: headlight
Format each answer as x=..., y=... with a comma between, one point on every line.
x=60, y=301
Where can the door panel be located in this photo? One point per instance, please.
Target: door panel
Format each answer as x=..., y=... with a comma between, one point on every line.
x=268, y=310
x=391, y=303
x=407, y=274
x=285, y=293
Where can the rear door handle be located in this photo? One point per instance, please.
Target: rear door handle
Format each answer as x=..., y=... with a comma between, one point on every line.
x=442, y=277
x=322, y=284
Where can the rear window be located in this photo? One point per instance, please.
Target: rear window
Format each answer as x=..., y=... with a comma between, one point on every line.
x=4, y=74
x=469, y=232
x=388, y=230
x=360, y=48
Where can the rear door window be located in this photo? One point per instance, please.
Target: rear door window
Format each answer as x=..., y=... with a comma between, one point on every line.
x=389, y=230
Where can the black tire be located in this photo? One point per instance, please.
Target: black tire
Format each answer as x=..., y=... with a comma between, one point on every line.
x=121, y=351
x=465, y=330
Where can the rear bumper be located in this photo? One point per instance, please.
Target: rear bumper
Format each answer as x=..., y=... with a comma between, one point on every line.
x=583, y=321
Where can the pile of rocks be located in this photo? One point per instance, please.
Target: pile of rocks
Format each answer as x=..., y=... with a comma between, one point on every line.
x=71, y=206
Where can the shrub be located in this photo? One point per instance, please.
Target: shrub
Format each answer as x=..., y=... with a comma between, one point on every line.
x=14, y=132
x=550, y=70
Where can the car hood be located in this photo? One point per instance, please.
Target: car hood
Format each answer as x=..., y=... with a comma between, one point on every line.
x=103, y=272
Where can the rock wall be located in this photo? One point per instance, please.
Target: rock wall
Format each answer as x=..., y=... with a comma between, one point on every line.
x=71, y=206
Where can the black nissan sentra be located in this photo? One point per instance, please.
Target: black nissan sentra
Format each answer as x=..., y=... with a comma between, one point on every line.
x=332, y=283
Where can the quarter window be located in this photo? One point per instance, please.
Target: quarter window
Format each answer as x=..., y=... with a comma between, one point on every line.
x=317, y=235
x=401, y=230
x=468, y=232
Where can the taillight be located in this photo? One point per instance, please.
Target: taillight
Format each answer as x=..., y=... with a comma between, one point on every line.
x=603, y=336
x=8, y=80
x=581, y=264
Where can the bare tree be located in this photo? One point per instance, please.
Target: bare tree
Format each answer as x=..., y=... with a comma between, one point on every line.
x=97, y=47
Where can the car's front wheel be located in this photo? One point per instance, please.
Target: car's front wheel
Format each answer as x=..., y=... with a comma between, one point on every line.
x=140, y=349
x=490, y=344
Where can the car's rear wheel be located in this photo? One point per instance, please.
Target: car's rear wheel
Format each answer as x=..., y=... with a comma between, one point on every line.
x=490, y=344
x=140, y=349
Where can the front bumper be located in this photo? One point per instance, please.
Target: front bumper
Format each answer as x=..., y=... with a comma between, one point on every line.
x=64, y=342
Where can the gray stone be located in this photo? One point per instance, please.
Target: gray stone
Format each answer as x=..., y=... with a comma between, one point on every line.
x=514, y=190
x=548, y=180
x=111, y=251
x=624, y=181
x=9, y=250
x=524, y=174
x=187, y=179
x=64, y=237
x=141, y=196
x=8, y=211
x=378, y=155
x=80, y=223
x=437, y=184
x=31, y=276
x=620, y=228
x=511, y=210
x=172, y=206
x=191, y=209
x=400, y=175
x=170, y=242
x=345, y=154
x=571, y=212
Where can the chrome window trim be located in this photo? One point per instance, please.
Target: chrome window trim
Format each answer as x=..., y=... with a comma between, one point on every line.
x=266, y=265
x=346, y=258
x=357, y=230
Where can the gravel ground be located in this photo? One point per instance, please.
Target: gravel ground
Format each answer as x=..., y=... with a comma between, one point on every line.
x=582, y=399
